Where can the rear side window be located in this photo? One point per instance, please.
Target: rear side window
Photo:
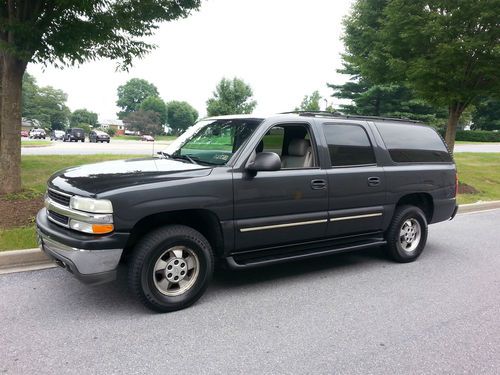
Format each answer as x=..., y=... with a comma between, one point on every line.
x=348, y=145
x=413, y=143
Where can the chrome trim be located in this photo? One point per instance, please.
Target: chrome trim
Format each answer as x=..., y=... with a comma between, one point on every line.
x=296, y=224
x=355, y=217
x=87, y=262
x=60, y=192
x=78, y=215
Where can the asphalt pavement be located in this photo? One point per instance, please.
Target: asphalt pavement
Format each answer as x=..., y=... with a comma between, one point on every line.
x=355, y=313
x=148, y=148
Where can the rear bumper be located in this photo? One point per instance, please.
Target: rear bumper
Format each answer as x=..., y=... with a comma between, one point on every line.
x=94, y=265
x=444, y=209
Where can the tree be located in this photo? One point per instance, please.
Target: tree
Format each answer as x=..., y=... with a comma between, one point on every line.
x=447, y=51
x=83, y=116
x=180, y=116
x=231, y=97
x=486, y=115
x=146, y=122
x=310, y=103
x=67, y=32
x=389, y=100
x=155, y=104
x=132, y=94
x=45, y=104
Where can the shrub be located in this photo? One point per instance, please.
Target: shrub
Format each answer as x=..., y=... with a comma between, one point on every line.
x=476, y=136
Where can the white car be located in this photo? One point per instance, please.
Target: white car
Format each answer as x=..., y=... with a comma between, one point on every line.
x=37, y=134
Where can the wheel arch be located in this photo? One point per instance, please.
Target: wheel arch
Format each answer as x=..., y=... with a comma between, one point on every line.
x=423, y=201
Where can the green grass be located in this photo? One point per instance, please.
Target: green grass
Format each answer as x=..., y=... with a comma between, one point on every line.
x=35, y=143
x=475, y=143
x=18, y=238
x=482, y=171
x=138, y=138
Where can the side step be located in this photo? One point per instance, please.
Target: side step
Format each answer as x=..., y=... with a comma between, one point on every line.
x=241, y=261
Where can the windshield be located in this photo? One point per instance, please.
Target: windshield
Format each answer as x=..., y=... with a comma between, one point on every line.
x=212, y=142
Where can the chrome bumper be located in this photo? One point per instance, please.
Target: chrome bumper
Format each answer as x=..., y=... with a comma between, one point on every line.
x=89, y=266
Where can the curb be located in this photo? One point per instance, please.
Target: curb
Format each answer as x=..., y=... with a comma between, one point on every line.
x=34, y=259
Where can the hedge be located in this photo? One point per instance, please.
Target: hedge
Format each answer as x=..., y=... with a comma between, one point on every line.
x=476, y=136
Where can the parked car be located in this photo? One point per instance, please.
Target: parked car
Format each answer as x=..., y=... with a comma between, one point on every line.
x=37, y=134
x=74, y=134
x=248, y=191
x=98, y=136
x=131, y=132
x=147, y=138
x=57, y=135
x=25, y=133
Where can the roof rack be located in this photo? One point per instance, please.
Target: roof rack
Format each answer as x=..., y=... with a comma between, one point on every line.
x=353, y=117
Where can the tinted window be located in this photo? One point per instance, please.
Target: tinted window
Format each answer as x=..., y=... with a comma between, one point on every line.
x=348, y=145
x=413, y=143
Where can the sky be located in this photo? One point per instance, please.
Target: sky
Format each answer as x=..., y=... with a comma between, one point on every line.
x=283, y=49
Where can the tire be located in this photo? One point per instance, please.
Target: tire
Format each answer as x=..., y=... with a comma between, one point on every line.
x=157, y=290
x=407, y=234
x=108, y=141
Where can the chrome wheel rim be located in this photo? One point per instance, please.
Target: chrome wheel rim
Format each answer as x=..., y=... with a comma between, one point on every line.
x=409, y=235
x=176, y=271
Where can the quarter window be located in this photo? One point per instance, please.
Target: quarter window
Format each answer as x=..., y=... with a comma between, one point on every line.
x=348, y=145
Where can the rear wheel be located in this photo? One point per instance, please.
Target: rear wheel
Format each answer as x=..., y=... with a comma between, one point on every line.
x=171, y=268
x=407, y=234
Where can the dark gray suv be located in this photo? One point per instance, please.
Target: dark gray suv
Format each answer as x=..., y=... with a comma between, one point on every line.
x=248, y=191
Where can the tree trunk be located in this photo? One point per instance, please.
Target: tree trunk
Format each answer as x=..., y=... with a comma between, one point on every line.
x=454, y=113
x=12, y=70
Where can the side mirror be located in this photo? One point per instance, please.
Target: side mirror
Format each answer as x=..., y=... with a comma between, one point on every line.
x=265, y=161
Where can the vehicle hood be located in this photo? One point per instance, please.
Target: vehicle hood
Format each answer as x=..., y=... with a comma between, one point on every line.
x=91, y=179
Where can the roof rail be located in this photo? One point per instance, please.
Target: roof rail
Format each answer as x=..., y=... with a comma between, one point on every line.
x=353, y=117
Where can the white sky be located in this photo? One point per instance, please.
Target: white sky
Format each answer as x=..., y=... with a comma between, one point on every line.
x=283, y=49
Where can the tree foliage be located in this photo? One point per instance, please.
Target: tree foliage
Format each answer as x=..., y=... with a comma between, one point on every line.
x=132, y=94
x=310, y=102
x=231, y=97
x=83, y=116
x=45, y=104
x=447, y=51
x=486, y=115
x=180, y=116
x=155, y=104
x=67, y=32
x=146, y=122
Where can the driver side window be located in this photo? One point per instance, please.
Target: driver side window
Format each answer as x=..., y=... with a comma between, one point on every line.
x=293, y=145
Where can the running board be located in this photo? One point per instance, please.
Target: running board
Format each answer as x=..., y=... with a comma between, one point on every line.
x=239, y=262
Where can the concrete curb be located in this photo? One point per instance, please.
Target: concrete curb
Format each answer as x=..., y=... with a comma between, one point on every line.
x=34, y=259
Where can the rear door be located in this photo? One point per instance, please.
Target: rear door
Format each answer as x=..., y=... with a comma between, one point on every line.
x=356, y=182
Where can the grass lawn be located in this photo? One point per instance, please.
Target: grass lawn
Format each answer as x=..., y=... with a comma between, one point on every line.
x=480, y=170
x=138, y=138
x=475, y=143
x=35, y=143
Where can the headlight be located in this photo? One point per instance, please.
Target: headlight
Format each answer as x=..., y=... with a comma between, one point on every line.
x=98, y=206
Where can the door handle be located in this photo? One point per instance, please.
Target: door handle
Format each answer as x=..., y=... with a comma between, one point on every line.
x=373, y=181
x=318, y=184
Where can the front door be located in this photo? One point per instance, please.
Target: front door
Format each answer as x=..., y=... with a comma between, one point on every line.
x=285, y=206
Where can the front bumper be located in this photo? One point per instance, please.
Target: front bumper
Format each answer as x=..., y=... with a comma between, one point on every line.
x=91, y=266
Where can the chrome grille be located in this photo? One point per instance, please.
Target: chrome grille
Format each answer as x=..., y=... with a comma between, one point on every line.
x=59, y=218
x=57, y=197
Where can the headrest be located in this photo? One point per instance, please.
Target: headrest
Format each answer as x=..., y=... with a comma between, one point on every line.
x=298, y=147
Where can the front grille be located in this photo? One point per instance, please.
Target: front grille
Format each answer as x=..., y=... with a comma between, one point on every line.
x=59, y=218
x=58, y=198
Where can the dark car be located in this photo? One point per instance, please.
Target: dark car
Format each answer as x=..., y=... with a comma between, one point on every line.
x=74, y=134
x=98, y=136
x=248, y=191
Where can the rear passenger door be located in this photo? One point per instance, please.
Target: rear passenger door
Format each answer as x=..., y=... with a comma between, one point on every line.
x=356, y=183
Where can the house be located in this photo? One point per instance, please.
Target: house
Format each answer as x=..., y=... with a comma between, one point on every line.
x=28, y=124
x=117, y=125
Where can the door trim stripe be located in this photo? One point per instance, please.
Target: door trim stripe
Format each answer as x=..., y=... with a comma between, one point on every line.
x=355, y=217
x=276, y=226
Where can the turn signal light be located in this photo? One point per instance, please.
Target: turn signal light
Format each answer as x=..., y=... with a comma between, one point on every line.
x=102, y=228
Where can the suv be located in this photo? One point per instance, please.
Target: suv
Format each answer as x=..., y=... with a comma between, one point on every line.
x=37, y=134
x=248, y=191
x=74, y=134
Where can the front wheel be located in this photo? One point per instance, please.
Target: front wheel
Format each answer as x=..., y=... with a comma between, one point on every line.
x=171, y=268
x=407, y=234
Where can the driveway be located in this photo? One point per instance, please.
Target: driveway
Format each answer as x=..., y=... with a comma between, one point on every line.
x=355, y=313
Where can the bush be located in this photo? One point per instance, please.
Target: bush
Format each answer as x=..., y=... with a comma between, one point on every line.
x=476, y=136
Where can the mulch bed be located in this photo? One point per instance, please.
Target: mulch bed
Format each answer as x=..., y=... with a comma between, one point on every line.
x=464, y=188
x=18, y=213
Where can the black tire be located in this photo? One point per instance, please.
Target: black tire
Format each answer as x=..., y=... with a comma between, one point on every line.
x=150, y=249
x=395, y=247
